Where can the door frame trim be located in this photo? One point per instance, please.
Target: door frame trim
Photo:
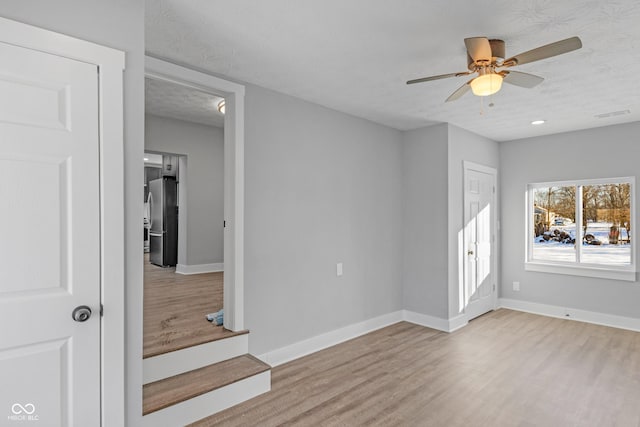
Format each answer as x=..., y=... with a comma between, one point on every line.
x=111, y=64
x=466, y=167
x=233, y=93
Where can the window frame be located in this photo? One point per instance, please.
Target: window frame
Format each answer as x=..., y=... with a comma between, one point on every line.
x=578, y=268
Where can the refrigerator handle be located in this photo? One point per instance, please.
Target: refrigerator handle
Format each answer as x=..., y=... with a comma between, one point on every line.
x=150, y=203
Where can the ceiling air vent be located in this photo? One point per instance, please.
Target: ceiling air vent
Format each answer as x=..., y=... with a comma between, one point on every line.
x=612, y=114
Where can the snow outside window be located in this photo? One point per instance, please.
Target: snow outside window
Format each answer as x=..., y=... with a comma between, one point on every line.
x=582, y=227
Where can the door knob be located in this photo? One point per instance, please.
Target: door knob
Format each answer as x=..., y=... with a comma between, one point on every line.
x=82, y=313
x=469, y=252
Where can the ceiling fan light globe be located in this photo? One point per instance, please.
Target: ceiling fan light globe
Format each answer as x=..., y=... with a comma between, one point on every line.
x=486, y=84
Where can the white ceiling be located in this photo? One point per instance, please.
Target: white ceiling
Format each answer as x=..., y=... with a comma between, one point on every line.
x=355, y=56
x=178, y=102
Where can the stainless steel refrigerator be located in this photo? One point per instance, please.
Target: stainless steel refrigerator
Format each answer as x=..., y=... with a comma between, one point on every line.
x=163, y=221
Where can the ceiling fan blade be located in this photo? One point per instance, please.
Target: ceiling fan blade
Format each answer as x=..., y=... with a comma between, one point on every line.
x=441, y=76
x=460, y=91
x=478, y=48
x=518, y=78
x=546, y=51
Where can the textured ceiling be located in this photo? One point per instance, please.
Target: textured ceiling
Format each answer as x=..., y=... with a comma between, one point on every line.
x=178, y=102
x=355, y=56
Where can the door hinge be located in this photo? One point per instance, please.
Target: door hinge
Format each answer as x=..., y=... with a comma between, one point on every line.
x=494, y=189
x=101, y=310
x=224, y=224
x=494, y=287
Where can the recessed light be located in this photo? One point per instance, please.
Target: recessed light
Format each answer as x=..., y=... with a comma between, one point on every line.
x=538, y=122
x=146, y=159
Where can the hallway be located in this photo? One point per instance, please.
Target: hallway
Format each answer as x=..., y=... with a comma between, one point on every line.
x=175, y=307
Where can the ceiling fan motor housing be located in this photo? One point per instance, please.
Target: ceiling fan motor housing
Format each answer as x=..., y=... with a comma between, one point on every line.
x=497, y=54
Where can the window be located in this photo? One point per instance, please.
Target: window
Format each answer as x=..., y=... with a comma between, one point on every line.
x=582, y=227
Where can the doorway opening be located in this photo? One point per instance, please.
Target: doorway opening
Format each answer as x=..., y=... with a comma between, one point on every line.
x=184, y=218
x=233, y=222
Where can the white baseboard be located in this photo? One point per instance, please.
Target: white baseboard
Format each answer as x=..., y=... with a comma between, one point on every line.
x=180, y=361
x=202, y=406
x=457, y=322
x=630, y=323
x=445, y=325
x=328, y=339
x=320, y=342
x=200, y=268
x=426, y=320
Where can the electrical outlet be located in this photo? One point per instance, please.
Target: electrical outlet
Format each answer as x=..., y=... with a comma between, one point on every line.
x=339, y=269
x=516, y=286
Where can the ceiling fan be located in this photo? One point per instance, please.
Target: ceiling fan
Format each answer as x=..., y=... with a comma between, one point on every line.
x=486, y=58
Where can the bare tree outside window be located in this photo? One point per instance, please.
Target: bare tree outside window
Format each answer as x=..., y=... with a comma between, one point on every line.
x=604, y=232
x=553, y=237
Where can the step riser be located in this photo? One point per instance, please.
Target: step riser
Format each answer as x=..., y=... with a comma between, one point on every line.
x=210, y=403
x=180, y=361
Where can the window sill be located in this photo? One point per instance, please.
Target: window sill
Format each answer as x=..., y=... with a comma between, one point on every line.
x=602, y=273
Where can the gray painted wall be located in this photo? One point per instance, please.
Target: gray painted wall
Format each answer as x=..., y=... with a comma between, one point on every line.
x=118, y=24
x=595, y=153
x=204, y=148
x=424, y=225
x=321, y=187
x=463, y=145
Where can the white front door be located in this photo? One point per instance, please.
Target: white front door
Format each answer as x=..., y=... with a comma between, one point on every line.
x=479, y=212
x=49, y=240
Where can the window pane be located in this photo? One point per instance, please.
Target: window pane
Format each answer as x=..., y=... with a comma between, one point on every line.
x=554, y=228
x=606, y=224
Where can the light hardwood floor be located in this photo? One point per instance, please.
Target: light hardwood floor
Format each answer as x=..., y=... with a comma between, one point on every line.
x=175, y=306
x=505, y=368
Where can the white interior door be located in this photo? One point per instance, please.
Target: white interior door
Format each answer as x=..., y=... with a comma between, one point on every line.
x=479, y=219
x=49, y=250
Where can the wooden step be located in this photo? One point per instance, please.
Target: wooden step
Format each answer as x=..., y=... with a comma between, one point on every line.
x=203, y=406
x=169, y=391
